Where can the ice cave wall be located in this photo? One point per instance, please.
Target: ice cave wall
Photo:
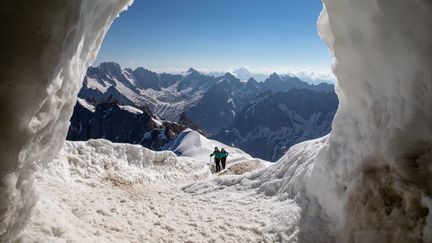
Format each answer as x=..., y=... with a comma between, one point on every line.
x=46, y=48
x=374, y=176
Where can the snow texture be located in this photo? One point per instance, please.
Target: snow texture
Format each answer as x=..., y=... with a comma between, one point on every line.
x=372, y=179
x=85, y=104
x=125, y=87
x=192, y=144
x=48, y=47
x=285, y=181
x=131, y=109
x=100, y=191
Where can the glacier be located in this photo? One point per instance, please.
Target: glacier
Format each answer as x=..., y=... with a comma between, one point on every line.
x=368, y=181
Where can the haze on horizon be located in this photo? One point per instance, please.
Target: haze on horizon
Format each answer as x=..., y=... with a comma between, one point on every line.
x=263, y=36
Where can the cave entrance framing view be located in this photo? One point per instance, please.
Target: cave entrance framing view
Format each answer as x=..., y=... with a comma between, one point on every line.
x=368, y=181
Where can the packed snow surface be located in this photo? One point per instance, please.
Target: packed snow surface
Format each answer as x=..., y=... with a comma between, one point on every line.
x=100, y=191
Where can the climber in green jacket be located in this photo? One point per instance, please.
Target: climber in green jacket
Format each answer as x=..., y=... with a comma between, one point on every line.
x=217, y=158
x=223, y=154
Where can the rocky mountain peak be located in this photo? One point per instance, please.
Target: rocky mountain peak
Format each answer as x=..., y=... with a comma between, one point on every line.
x=110, y=68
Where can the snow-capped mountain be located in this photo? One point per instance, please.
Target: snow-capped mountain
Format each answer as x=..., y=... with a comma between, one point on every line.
x=311, y=76
x=269, y=126
x=212, y=103
x=245, y=74
x=122, y=124
x=166, y=95
x=219, y=106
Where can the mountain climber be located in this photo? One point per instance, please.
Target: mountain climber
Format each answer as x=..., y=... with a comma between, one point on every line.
x=224, y=154
x=217, y=158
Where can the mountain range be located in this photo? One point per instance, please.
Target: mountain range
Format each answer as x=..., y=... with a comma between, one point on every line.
x=169, y=95
x=220, y=105
x=310, y=76
x=271, y=124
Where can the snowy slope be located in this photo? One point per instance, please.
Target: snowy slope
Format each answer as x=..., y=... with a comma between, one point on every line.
x=167, y=95
x=284, y=181
x=86, y=105
x=192, y=144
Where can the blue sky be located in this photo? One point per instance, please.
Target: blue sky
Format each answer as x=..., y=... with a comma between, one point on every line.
x=217, y=35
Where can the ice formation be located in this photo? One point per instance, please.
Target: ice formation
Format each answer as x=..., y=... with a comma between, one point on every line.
x=47, y=46
x=372, y=178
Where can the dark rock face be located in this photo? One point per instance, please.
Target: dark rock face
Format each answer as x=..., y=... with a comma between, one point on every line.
x=79, y=123
x=220, y=104
x=213, y=110
x=122, y=124
x=184, y=120
x=146, y=79
x=275, y=121
x=277, y=83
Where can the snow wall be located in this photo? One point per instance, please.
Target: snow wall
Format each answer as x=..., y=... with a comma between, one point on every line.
x=47, y=47
x=373, y=178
